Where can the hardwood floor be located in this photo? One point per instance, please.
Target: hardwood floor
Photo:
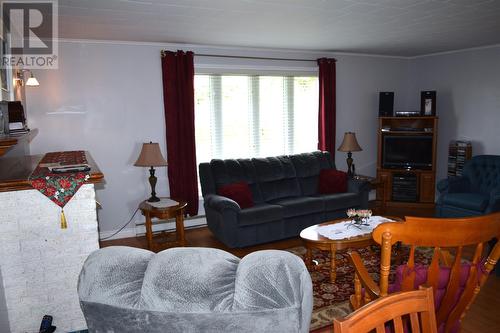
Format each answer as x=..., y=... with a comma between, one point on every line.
x=483, y=315
x=202, y=237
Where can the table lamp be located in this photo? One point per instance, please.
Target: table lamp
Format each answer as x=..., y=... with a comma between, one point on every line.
x=349, y=144
x=151, y=156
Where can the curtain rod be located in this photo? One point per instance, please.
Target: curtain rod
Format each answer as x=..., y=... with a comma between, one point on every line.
x=249, y=57
x=243, y=57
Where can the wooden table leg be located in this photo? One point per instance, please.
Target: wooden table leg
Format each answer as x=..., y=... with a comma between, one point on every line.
x=383, y=199
x=149, y=231
x=308, y=258
x=333, y=266
x=179, y=226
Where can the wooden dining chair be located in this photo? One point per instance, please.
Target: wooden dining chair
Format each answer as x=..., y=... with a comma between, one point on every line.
x=413, y=309
x=455, y=277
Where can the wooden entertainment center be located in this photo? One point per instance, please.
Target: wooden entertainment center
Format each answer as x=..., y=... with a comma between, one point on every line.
x=407, y=183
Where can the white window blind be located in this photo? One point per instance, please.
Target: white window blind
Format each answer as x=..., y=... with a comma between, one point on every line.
x=242, y=116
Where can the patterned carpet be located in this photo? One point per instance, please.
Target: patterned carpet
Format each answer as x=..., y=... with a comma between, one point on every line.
x=331, y=300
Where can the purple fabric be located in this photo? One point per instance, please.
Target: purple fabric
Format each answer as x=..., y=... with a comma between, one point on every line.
x=444, y=276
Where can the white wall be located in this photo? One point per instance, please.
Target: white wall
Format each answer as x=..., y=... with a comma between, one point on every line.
x=468, y=98
x=359, y=81
x=106, y=97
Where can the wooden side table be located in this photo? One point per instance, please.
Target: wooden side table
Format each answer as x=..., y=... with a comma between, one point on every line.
x=164, y=213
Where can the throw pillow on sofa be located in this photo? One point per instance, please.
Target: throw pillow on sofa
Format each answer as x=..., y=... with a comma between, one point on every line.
x=239, y=192
x=332, y=181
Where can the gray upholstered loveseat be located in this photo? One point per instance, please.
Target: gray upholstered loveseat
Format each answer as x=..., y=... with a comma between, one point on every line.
x=188, y=290
x=285, y=193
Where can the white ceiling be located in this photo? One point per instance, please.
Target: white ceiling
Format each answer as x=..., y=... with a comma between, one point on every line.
x=391, y=27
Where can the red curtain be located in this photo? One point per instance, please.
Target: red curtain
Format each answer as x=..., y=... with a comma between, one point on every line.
x=178, y=98
x=326, y=119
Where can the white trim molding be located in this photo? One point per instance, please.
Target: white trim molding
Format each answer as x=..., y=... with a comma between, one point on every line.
x=138, y=228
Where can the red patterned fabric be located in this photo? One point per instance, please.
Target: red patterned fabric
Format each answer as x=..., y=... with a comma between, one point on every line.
x=327, y=107
x=332, y=181
x=59, y=187
x=239, y=192
x=178, y=99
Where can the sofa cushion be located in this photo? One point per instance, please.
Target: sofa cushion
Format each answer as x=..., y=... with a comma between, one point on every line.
x=472, y=201
x=300, y=205
x=307, y=167
x=443, y=278
x=234, y=171
x=261, y=213
x=332, y=181
x=338, y=201
x=239, y=192
x=276, y=177
x=194, y=290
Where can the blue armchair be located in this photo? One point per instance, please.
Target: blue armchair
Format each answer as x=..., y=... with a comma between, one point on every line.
x=477, y=192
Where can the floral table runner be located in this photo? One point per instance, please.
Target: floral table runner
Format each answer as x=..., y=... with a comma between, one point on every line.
x=59, y=187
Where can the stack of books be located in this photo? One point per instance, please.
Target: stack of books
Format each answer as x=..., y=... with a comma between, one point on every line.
x=458, y=153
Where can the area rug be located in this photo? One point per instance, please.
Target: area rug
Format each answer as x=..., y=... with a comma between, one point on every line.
x=331, y=300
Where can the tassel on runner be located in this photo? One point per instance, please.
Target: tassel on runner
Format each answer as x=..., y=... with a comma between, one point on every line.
x=64, y=225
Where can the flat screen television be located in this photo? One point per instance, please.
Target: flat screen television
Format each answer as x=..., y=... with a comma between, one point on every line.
x=407, y=152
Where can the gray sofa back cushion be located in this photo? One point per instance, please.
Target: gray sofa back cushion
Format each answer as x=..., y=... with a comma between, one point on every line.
x=269, y=178
x=233, y=171
x=123, y=289
x=276, y=177
x=308, y=166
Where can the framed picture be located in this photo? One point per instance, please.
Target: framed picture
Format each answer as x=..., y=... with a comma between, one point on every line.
x=428, y=103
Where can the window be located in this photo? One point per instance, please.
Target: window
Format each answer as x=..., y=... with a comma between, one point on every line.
x=241, y=116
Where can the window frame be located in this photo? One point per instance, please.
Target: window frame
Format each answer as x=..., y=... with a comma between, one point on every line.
x=216, y=105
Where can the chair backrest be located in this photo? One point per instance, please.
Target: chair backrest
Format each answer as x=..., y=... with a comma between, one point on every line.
x=449, y=237
x=414, y=307
x=483, y=172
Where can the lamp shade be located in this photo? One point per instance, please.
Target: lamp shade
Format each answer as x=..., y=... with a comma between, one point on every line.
x=32, y=81
x=150, y=156
x=349, y=143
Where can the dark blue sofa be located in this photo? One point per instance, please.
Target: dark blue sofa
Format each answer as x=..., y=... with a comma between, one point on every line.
x=285, y=193
x=477, y=192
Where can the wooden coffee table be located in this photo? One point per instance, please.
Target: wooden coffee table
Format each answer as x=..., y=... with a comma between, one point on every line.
x=313, y=240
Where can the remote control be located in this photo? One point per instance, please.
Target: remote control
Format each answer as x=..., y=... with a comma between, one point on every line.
x=70, y=169
x=46, y=324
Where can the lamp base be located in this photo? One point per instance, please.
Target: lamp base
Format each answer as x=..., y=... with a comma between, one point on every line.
x=152, y=182
x=349, y=160
x=154, y=199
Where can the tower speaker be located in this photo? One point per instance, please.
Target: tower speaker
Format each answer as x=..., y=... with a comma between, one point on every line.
x=386, y=104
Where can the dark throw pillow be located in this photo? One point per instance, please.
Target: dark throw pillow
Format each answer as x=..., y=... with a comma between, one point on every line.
x=332, y=181
x=239, y=192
